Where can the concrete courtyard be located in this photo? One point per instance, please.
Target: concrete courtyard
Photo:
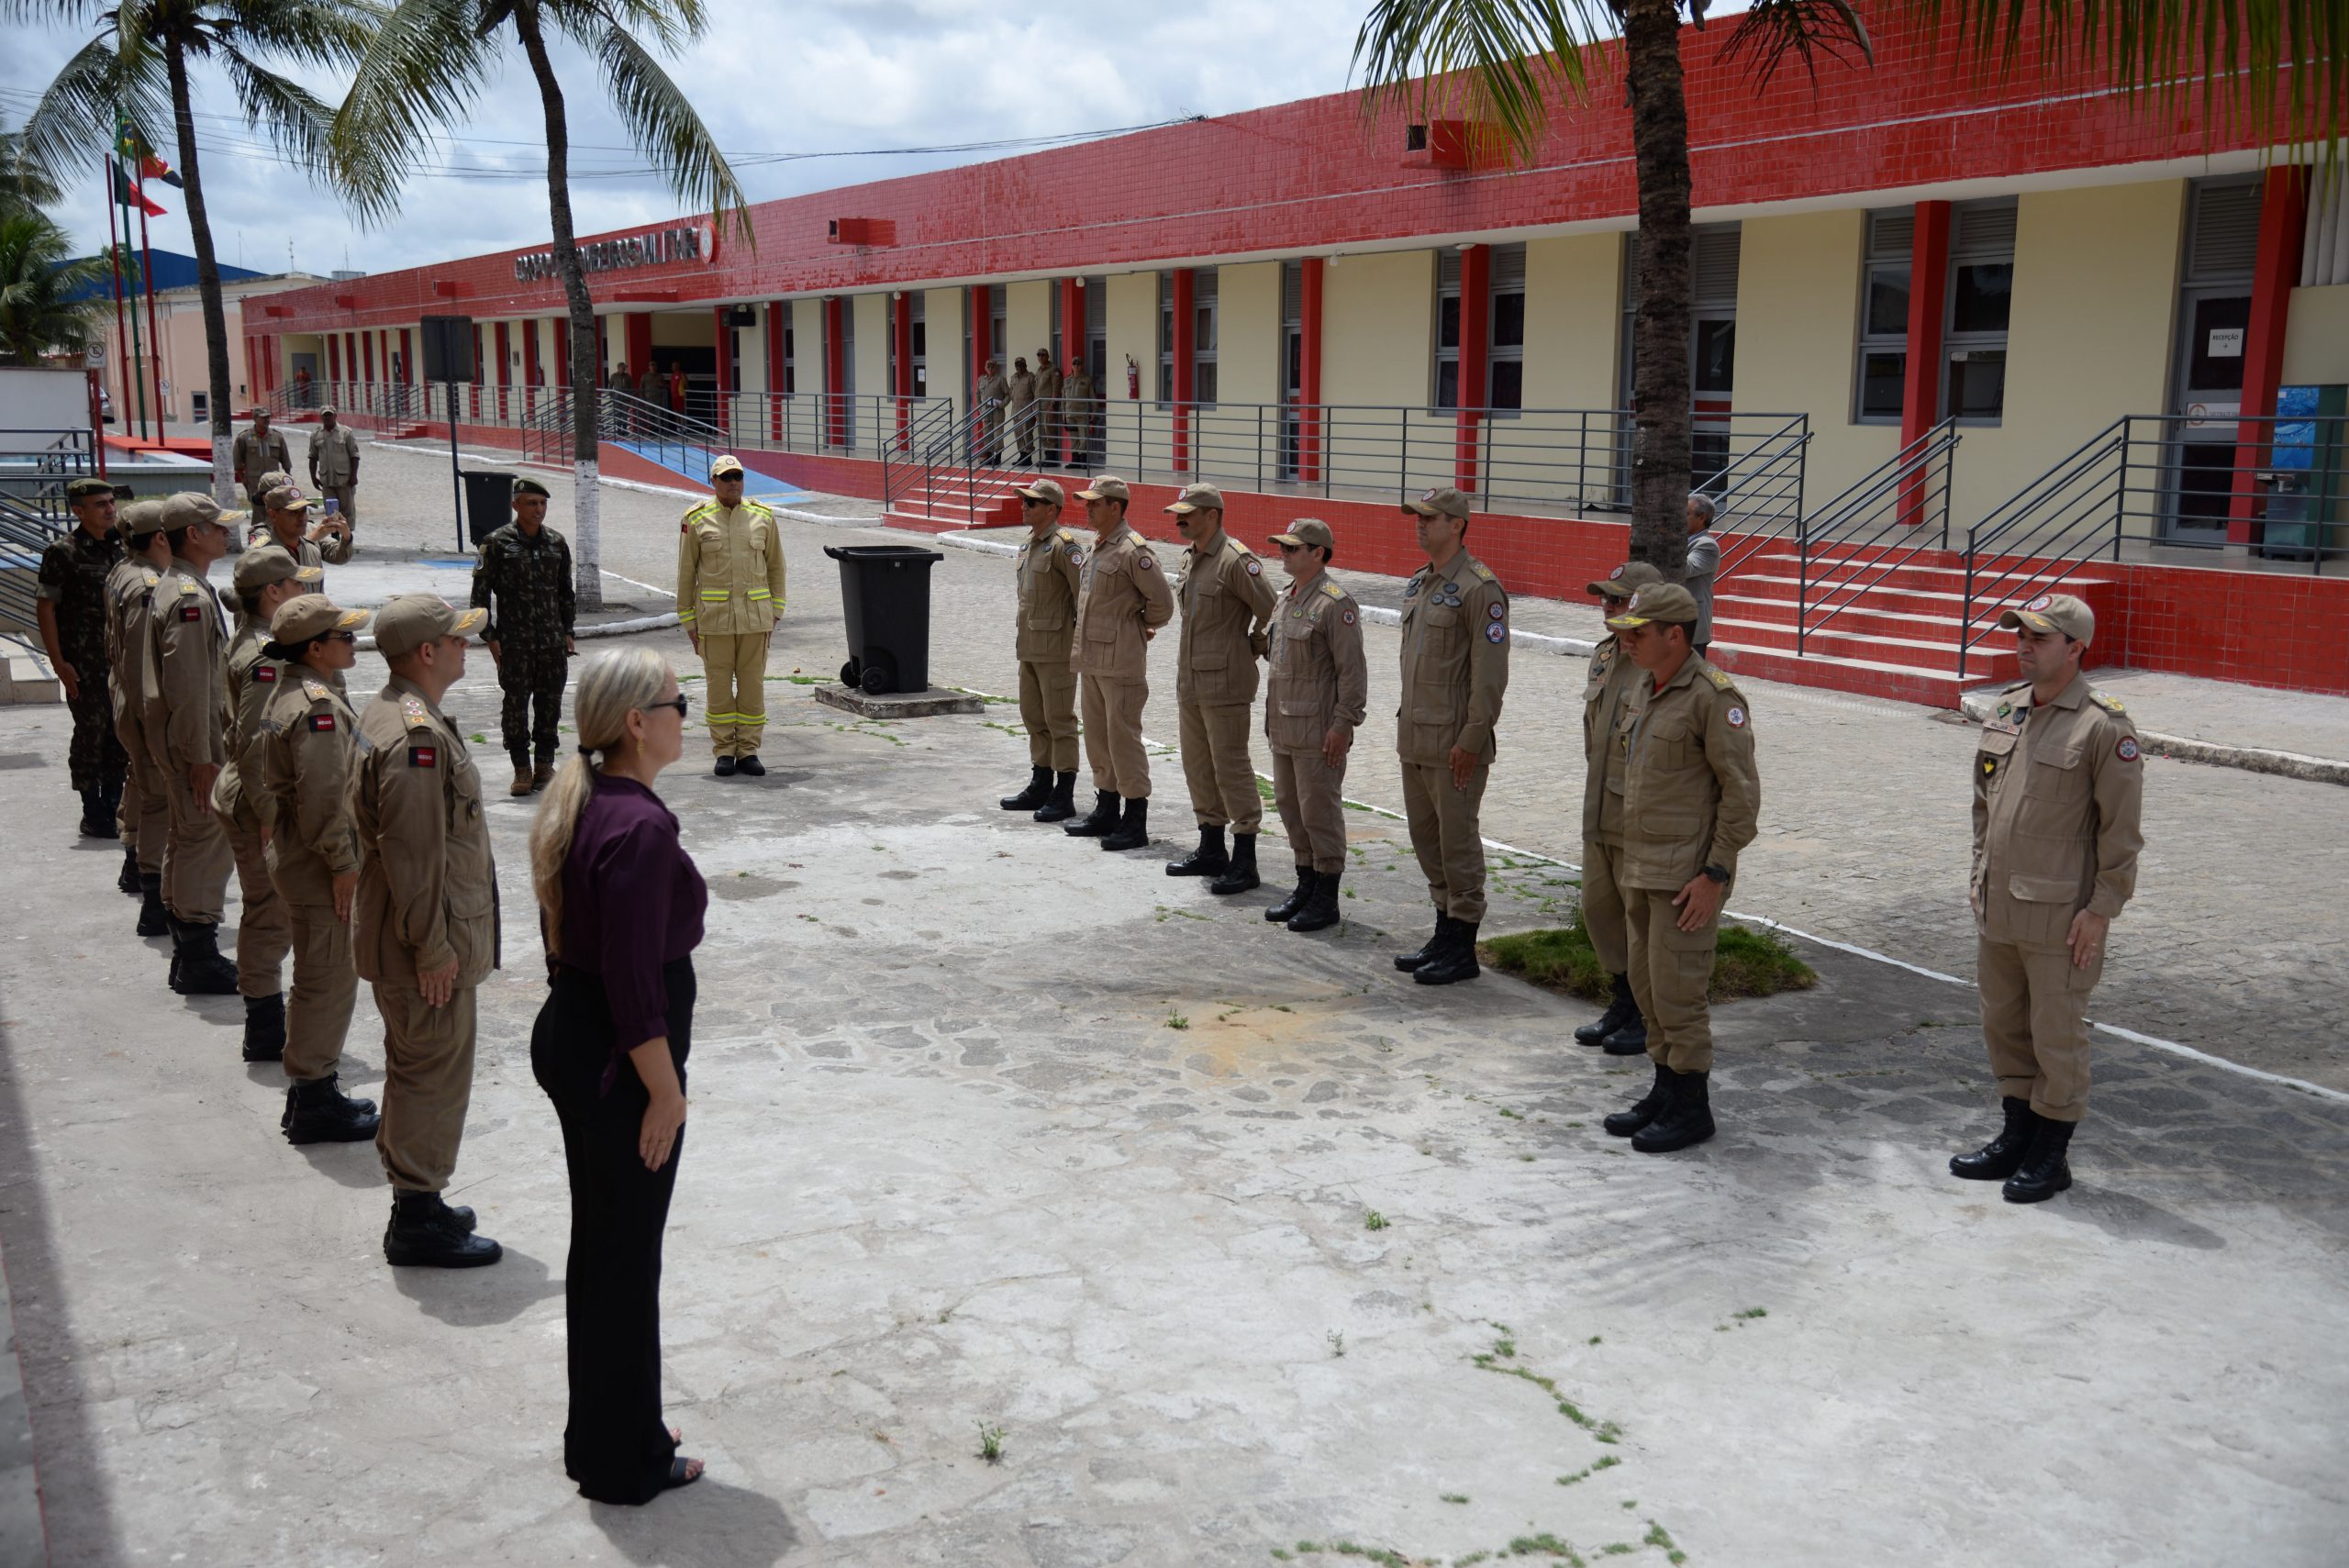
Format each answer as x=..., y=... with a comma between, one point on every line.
x=1249, y=1246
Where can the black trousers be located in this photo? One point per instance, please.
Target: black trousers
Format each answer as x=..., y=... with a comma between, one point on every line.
x=616, y=1444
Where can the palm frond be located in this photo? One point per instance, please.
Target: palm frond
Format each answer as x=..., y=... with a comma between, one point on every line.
x=1773, y=31
x=1492, y=61
x=75, y=120
x=72, y=15
x=314, y=32
x=665, y=24
x=289, y=114
x=422, y=69
x=660, y=120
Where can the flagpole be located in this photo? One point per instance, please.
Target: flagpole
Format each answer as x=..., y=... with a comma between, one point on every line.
x=121, y=329
x=121, y=196
x=154, y=333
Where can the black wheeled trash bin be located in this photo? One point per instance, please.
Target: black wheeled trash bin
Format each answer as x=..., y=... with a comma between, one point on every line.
x=884, y=589
x=489, y=502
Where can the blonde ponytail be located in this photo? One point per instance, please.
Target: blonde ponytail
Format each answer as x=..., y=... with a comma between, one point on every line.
x=612, y=684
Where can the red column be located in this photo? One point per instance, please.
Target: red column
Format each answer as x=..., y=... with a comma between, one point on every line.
x=367, y=344
x=505, y=361
x=334, y=363
x=835, y=410
x=407, y=360
x=1308, y=381
x=901, y=357
x=2283, y=216
x=639, y=349
x=562, y=352
x=530, y=376
x=1184, y=344
x=603, y=349
x=1475, y=341
x=983, y=348
x=774, y=309
x=1920, y=392
x=1071, y=344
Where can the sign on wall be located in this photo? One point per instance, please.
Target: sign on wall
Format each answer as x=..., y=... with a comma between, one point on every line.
x=693, y=242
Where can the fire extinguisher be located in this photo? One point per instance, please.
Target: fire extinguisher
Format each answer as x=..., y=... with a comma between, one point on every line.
x=1133, y=380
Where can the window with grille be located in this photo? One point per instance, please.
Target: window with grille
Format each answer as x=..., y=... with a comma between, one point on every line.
x=1446, y=393
x=1879, y=396
x=1505, y=354
x=921, y=345
x=1165, y=340
x=1981, y=295
x=1203, y=336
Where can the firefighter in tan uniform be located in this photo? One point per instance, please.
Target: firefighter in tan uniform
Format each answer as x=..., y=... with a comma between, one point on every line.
x=1225, y=606
x=1050, y=421
x=145, y=815
x=1620, y=1031
x=1455, y=671
x=184, y=712
x=1121, y=602
x=2057, y=788
x=265, y=578
x=1690, y=798
x=299, y=777
x=1316, y=695
x=424, y=927
x=1050, y=567
x=287, y=510
x=730, y=594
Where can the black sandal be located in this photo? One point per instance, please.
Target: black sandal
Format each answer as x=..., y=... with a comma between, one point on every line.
x=682, y=1473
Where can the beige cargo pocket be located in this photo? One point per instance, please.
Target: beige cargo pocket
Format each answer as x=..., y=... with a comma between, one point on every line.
x=2055, y=774
x=2043, y=907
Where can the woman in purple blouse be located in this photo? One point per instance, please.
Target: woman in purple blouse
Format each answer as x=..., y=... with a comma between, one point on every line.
x=620, y=909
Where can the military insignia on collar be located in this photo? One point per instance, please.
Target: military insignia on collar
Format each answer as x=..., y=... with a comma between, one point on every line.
x=2127, y=750
x=1719, y=679
x=1256, y=567
x=314, y=691
x=2110, y=705
x=1736, y=716
x=1494, y=632
x=186, y=586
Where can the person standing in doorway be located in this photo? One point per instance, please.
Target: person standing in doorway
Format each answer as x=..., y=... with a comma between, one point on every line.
x=522, y=576
x=731, y=582
x=989, y=397
x=1081, y=413
x=675, y=381
x=620, y=908
x=1048, y=409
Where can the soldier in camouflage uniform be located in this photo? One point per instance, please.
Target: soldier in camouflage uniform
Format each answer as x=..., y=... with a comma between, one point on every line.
x=526, y=568
x=72, y=593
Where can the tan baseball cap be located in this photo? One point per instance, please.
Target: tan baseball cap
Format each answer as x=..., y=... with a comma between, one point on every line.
x=257, y=569
x=1305, y=531
x=1044, y=490
x=1107, y=487
x=1199, y=497
x=141, y=519
x=286, y=498
x=414, y=619
x=326, y=410
x=311, y=615
x=1626, y=580
x=1444, y=502
x=190, y=508
x=2053, y=612
x=1666, y=602
x=718, y=469
x=273, y=479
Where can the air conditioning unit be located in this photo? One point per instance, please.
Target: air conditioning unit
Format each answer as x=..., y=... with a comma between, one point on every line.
x=863, y=231
x=1453, y=144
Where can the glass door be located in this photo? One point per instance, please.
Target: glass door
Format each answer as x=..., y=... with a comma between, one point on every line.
x=2209, y=378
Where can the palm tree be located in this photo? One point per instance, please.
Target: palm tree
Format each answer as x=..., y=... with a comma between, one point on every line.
x=37, y=316
x=25, y=185
x=432, y=59
x=1502, y=62
x=136, y=68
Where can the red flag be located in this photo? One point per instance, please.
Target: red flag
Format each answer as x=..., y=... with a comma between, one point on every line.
x=127, y=193
x=153, y=168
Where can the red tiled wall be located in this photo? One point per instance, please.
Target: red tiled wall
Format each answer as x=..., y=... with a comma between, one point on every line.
x=2194, y=621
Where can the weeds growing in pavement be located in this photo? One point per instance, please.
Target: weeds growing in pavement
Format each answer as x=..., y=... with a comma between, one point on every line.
x=990, y=1443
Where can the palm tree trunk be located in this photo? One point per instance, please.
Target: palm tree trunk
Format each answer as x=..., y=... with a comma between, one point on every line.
x=1660, y=370
x=586, y=524
x=207, y=277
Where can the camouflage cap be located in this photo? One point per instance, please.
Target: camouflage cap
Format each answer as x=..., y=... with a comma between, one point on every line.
x=1626, y=580
x=1107, y=487
x=1666, y=602
x=2053, y=612
x=311, y=615
x=259, y=567
x=1444, y=502
x=1044, y=490
x=411, y=620
x=1305, y=531
x=1201, y=497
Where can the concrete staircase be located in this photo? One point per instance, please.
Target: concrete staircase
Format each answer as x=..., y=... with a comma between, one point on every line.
x=962, y=498
x=26, y=675
x=1885, y=623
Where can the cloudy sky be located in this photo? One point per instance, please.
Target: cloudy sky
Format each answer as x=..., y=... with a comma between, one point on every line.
x=834, y=76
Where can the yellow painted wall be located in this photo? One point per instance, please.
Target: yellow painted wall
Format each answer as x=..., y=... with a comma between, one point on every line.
x=1133, y=332
x=1028, y=319
x=2316, y=336
x=1248, y=333
x=1798, y=325
x=1378, y=348
x=1573, y=287
x=871, y=335
x=2089, y=338
x=943, y=313
x=807, y=345
x=687, y=329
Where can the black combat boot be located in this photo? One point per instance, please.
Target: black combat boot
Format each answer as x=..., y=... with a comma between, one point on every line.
x=1240, y=875
x=154, y=920
x=1624, y=1123
x=110, y=802
x=1208, y=859
x=425, y=1232
x=1621, y=1009
x=1320, y=911
x=1062, y=803
x=1631, y=1040
x=319, y=1113
x=1456, y=963
x=96, y=821
x=1687, y=1120
x=2044, y=1171
x=197, y=968
x=750, y=767
x=265, y=1027
x=1407, y=961
x=129, y=880
x=2002, y=1156
x=723, y=768
x=1101, y=821
x=1038, y=790
x=1133, y=827
x=1279, y=913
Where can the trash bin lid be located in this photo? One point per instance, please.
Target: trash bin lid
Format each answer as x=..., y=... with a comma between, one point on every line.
x=882, y=552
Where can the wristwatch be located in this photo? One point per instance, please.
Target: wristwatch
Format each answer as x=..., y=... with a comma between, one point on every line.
x=1717, y=875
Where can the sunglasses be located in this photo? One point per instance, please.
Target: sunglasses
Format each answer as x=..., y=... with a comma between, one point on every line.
x=681, y=702
x=338, y=637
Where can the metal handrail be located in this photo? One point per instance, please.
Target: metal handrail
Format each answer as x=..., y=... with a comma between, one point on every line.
x=1908, y=483
x=25, y=533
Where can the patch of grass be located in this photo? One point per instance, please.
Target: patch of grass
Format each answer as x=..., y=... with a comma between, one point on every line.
x=1753, y=1312
x=1264, y=788
x=801, y=680
x=1374, y=1221
x=1177, y=1021
x=1544, y=1545
x=1747, y=963
x=1451, y=1498
x=1659, y=1537
x=1337, y=1338
x=1587, y=1472
x=1504, y=1347
x=478, y=738
x=990, y=1443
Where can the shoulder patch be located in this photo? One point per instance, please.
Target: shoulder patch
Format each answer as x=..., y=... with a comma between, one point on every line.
x=265, y=672
x=2110, y=705
x=1256, y=567
x=186, y=586
x=2127, y=750
x=151, y=578
x=321, y=721
x=315, y=690
x=1147, y=557
x=1719, y=679
x=424, y=756
x=419, y=717
x=1483, y=573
